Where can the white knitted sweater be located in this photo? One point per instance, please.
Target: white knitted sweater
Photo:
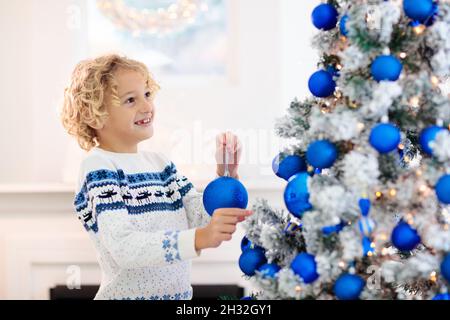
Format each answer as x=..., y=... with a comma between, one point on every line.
x=141, y=215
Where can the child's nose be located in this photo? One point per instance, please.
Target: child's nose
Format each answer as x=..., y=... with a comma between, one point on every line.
x=147, y=107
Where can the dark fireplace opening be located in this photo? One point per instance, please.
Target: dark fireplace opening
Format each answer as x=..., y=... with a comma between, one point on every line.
x=201, y=292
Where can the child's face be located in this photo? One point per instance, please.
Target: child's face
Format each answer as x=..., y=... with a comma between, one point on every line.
x=123, y=127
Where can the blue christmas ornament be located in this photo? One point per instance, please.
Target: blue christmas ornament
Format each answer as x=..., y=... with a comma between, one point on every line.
x=366, y=226
x=321, y=154
x=348, y=286
x=419, y=10
x=333, y=71
x=288, y=166
x=296, y=194
x=404, y=237
x=442, y=296
x=445, y=267
x=364, y=206
x=334, y=229
x=324, y=17
x=386, y=67
x=224, y=192
x=385, y=137
x=269, y=270
x=428, y=22
x=305, y=267
x=428, y=135
x=245, y=244
x=250, y=260
x=367, y=246
x=321, y=84
x=442, y=189
x=292, y=226
x=342, y=26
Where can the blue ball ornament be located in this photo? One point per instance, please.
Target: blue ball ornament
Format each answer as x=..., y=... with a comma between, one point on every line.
x=432, y=19
x=224, y=192
x=304, y=265
x=250, y=260
x=245, y=244
x=348, y=286
x=428, y=135
x=445, y=267
x=334, y=228
x=324, y=17
x=321, y=154
x=442, y=189
x=342, y=26
x=442, y=296
x=386, y=67
x=296, y=195
x=419, y=10
x=269, y=270
x=321, y=84
x=385, y=137
x=288, y=166
x=404, y=237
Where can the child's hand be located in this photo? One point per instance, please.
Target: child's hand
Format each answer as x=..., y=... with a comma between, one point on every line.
x=229, y=143
x=220, y=228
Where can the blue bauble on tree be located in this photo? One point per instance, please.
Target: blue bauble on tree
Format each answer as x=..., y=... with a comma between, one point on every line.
x=342, y=26
x=445, y=267
x=224, y=192
x=348, y=286
x=324, y=16
x=386, y=67
x=245, y=244
x=321, y=84
x=442, y=189
x=385, y=137
x=428, y=135
x=321, y=154
x=419, y=10
x=251, y=259
x=296, y=194
x=404, y=237
x=442, y=296
x=286, y=167
x=269, y=270
x=304, y=265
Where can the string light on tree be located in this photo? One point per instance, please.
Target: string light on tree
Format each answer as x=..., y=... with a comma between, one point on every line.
x=414, y=102
x=419, y=29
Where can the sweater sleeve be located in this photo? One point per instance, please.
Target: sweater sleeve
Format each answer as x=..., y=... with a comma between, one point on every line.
x=101, y=207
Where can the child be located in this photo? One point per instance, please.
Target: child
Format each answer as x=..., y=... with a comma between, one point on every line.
x=145, y=219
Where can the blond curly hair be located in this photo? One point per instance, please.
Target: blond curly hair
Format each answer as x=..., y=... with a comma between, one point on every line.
x=84, y=105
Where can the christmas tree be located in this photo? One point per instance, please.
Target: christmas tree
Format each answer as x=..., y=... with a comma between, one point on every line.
x=368, y=178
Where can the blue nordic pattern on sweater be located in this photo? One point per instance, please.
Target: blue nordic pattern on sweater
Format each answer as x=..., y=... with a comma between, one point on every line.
x=170, y=246
x=157, y=195
x=175, y=296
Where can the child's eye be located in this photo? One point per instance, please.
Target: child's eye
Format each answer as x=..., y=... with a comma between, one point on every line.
x=148, y=94
x=129, y=100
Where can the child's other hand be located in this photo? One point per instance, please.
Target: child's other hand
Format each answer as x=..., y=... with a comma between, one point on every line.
x=228, y=143
x=220, y=228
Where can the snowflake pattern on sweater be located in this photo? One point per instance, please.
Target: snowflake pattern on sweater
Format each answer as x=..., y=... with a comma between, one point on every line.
x=141, y=215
